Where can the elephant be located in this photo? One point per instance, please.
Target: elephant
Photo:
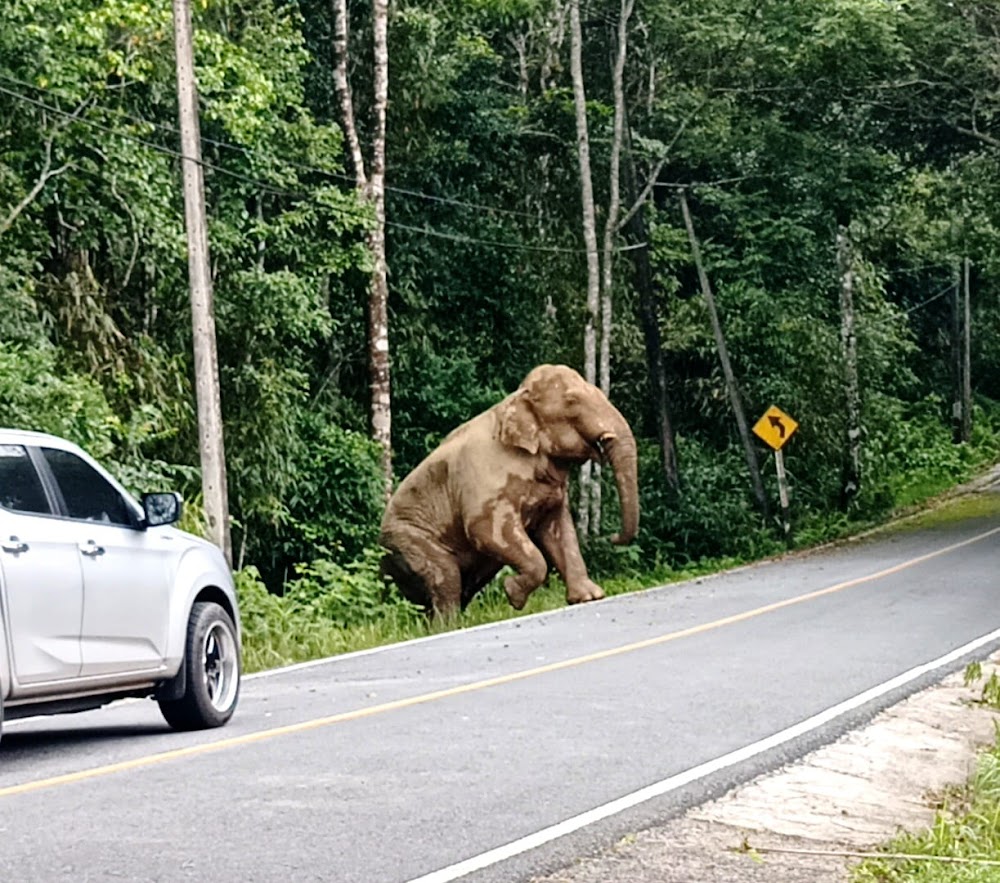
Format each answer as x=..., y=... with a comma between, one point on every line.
x=495, y=493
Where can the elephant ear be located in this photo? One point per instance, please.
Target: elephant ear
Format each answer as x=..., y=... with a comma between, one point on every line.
x=518, y=423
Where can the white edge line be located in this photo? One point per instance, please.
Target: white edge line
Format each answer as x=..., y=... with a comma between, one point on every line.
x=665, y=786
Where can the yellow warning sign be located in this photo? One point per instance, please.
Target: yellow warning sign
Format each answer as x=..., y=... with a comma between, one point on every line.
x=775, y=427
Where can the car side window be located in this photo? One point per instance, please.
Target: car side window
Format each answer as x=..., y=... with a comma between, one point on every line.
x=88, y=494
x=20, y=487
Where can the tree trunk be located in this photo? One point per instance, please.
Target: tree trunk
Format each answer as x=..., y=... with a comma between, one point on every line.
x=378, y=296
x=373, y=192
x=611, y=233
x=727, y=369
x=649, y=318
x=589, y=238
x=342, y=85
x=851, y=483
x=614, y=194
x=206, y=361
x=966, y=354
x=956, y=355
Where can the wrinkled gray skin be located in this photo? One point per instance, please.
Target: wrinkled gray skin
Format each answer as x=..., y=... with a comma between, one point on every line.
x=494, y=493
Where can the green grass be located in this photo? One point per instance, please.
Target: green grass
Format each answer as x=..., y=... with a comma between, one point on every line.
x=283, y=630
x=963, y=844
x=967, y=827
x=952, y=511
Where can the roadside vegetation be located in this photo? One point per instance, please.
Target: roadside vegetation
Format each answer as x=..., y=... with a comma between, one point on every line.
x=963, y=844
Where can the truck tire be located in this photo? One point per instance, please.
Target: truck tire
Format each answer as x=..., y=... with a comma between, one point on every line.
x=212, y=671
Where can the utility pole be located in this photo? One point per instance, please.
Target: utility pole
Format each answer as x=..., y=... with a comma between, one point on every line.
x=727, y=369
x=206, y=360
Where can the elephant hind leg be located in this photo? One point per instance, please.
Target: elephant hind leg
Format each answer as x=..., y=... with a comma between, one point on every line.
x=426, y=575
x=395, y=567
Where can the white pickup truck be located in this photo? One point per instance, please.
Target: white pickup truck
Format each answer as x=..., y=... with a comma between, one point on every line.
x=101, y=598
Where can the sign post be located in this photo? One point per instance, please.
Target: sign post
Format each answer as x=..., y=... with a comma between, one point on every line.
x=775, y=428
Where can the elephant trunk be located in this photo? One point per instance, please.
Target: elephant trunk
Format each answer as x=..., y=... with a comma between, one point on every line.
x=620, y=452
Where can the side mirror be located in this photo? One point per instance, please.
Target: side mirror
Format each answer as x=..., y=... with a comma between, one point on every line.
x=161, y=508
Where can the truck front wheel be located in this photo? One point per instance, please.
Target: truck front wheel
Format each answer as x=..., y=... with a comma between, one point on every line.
x=212, y=671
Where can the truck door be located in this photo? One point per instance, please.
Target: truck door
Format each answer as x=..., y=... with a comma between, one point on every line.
x=41, y=581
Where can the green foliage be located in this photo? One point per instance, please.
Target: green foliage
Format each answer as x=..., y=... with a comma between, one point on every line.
x=973, y=672
x=333, y=609
x=990, y=688
x=712, y=517
x=335, y=505
x=347, y=595
x=912, y=456
x=35, y=395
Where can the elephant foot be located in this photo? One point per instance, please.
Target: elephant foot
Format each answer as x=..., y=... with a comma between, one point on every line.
x=516, y=594
x=586, y=591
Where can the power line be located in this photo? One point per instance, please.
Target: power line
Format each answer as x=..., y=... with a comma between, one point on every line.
x=452, y=237
x=152, y=145
x=929, y=300
x=268, y=188
x=248, y=152
x=457, y=237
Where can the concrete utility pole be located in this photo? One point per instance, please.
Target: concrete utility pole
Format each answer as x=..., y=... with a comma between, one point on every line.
x=732, y=389
x=206, y=361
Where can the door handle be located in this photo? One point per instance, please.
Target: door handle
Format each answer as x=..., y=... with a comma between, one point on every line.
x=14, y=546
x=91, y=549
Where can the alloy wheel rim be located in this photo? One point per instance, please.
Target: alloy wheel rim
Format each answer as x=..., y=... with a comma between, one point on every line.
x=221, y=663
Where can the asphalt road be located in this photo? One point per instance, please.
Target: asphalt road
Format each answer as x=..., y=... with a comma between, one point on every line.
x=503, y=751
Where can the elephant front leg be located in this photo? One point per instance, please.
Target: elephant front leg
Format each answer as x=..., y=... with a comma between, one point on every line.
x=558, y=538
x=502, y=536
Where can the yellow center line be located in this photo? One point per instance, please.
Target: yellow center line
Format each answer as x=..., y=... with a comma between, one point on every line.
x=423, y=698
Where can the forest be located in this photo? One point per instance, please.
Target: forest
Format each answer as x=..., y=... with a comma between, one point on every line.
x=812, y=183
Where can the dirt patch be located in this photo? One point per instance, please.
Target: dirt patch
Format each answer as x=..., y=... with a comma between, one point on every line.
x=849, y=796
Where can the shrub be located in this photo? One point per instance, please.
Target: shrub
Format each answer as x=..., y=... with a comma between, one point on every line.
x=34, y=394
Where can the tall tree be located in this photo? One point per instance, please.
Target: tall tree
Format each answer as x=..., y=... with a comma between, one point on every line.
x=611, y=226
x=851, y=482
x=587, y=483
x=372, y=188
